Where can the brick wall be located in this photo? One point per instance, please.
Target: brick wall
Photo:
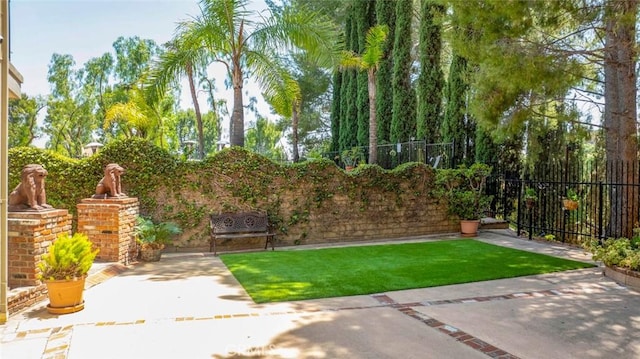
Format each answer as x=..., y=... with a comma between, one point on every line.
x=109, y=224
x=30, y=235
x=337, y=207
x=25, y=297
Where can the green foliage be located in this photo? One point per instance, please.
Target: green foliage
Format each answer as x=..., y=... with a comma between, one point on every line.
x=155, y=235
x=431, y=80
x=403, y=121
x=364, y=19
x=23, y=120
x=572, y=194
x=336, y=111
x=352, y=157
x=263, y=137
x=386, y=15
x=349, y=91
x=68, y=257
x=464, y=190
x=454, y=128
x=619, y=252
x=487, y=150
x=530, y=194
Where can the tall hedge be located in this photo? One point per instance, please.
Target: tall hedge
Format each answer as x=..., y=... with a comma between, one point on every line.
x=385, y=15
x=403, y=121
x=365, y=18
x=455, y=118
x=431, y=80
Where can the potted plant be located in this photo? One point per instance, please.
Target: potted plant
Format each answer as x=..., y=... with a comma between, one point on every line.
x=570, y=202
x=530, y=197
x=351, y=158
x=152, y=237
x=64, y=269
x=464, y=190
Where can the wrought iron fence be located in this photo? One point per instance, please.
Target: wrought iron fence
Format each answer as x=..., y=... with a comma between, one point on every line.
x=608, y=197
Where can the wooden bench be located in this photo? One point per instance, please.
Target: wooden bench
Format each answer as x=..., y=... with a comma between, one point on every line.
x=239, y=225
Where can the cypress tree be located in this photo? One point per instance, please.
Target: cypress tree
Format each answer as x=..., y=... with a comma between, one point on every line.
x=454, y=125
x=431, y=79
x=486, y=148
x=403, y=120
x=348, y=120
x=386, y=15
x=335, y=112
x=364, y=15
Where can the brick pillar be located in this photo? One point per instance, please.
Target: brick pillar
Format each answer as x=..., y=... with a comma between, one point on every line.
x=109, y=224
x=30, y=235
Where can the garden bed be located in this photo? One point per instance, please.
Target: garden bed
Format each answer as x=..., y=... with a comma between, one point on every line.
x=628, y=277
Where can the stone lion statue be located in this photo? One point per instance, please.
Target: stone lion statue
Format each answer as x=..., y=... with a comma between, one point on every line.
x=110, y=185
x=30, y=193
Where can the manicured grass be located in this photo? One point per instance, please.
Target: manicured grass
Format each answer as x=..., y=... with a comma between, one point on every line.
x=287, y=275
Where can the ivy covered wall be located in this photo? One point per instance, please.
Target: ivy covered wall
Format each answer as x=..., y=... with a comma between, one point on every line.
x=307, y=202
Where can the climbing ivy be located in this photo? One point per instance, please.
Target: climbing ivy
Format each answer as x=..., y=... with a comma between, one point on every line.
x=234, y=179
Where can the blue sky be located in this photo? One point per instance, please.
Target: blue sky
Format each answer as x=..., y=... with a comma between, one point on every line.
x=84, y=29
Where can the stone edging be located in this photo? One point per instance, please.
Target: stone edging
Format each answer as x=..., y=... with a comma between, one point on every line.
x=624, y=276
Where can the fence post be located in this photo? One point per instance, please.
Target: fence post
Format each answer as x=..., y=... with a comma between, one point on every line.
x=519, y=207
x=600, y=209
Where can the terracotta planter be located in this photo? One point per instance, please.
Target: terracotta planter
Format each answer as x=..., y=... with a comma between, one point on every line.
x=65, y=296
x=569, y=205
x=150, y=254
x=469, y=228
x=349, y=168
x=530, y=203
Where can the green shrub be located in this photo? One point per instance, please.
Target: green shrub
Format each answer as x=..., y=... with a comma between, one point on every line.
x=155, y=235
x=68, y=257
x=619, y=252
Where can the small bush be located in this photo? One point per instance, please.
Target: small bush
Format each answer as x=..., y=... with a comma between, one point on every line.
x=619, y=252
x=68, y=257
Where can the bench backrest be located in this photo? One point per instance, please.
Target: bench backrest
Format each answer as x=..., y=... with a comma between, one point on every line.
x=246, y=222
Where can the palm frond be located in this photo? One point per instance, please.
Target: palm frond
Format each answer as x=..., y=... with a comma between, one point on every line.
x=279, y=87
x=374, y=48
x=300, y=28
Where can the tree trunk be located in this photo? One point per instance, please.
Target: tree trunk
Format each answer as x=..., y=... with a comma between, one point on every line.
x=236, y=136
x=196, y=107
x=620, y=114
x=294, y=128
x=373, y=125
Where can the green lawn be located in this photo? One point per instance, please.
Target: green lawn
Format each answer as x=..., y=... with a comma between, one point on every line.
x=334, y=272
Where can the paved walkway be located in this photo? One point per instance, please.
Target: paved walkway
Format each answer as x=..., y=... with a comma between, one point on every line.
x=189, y=306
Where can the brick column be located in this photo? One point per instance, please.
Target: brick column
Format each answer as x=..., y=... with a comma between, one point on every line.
x=30, y=235
x=109, y=224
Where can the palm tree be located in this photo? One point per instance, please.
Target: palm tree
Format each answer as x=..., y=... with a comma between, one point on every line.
x=283, y=93
x=369, y=61
x=244, y=41
x=140, y=117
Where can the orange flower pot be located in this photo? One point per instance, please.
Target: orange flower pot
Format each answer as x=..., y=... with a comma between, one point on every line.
x=469, y=228
x=65, y=296
x=570, y=205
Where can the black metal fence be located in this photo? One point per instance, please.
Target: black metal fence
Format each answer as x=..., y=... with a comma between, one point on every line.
x=438, y=155
x=608, y=196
